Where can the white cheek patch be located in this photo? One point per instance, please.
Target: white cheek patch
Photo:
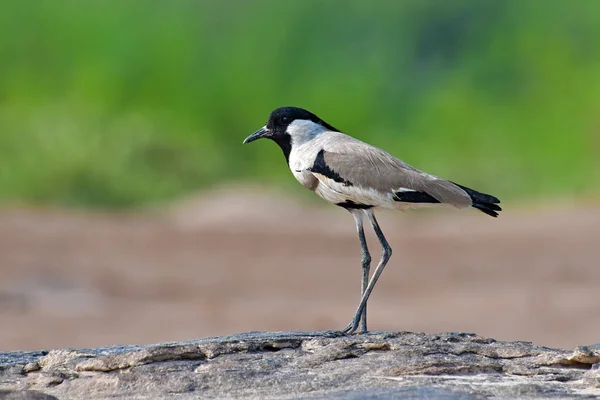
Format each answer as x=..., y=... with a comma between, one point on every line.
x=304, y=130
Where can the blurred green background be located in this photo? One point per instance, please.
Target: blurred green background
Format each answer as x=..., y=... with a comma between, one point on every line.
x=124, y=103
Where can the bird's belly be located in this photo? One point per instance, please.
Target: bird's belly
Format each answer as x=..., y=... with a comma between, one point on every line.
x=327, y=194
x=337, y=193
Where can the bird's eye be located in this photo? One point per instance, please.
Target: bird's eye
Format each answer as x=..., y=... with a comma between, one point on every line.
x=285, y=120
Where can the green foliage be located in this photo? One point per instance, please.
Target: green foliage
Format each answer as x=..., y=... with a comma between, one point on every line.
x=120, y=103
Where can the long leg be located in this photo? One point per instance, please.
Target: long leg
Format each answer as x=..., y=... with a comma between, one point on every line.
x=365, y=262
x=385, y=256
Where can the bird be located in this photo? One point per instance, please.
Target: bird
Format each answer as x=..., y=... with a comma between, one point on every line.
x=360, y=178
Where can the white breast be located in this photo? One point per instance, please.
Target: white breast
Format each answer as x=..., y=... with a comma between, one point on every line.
x=302, y=157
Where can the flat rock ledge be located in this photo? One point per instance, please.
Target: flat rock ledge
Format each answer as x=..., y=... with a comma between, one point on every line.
x=297, y=365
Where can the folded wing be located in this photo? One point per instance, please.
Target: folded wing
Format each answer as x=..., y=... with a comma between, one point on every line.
x=352, y=165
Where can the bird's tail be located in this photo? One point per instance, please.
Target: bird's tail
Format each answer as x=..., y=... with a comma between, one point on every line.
x=483, y=202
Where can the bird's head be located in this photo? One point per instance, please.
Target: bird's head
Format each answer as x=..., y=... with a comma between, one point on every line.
x=289, y=126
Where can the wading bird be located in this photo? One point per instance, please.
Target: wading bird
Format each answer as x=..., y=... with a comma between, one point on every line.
x=360, y=178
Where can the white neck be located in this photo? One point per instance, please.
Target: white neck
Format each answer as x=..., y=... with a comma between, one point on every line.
x=304, y=130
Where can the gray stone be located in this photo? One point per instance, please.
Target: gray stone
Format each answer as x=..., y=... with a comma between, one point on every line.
x=317, y=365
x=24, y=395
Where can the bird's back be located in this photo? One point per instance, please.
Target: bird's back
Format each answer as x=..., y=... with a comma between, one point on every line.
x=348, y=166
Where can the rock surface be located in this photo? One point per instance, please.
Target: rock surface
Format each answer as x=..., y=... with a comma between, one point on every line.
x=319, y=365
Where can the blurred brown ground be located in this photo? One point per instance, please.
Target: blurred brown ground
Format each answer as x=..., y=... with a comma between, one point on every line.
x=234, y=261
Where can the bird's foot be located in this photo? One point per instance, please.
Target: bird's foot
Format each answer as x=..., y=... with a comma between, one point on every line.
x=348, y=329
x=352, y=327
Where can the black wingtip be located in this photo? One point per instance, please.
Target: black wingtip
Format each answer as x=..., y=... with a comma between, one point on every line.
x=483, y=202
x=488, y=208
